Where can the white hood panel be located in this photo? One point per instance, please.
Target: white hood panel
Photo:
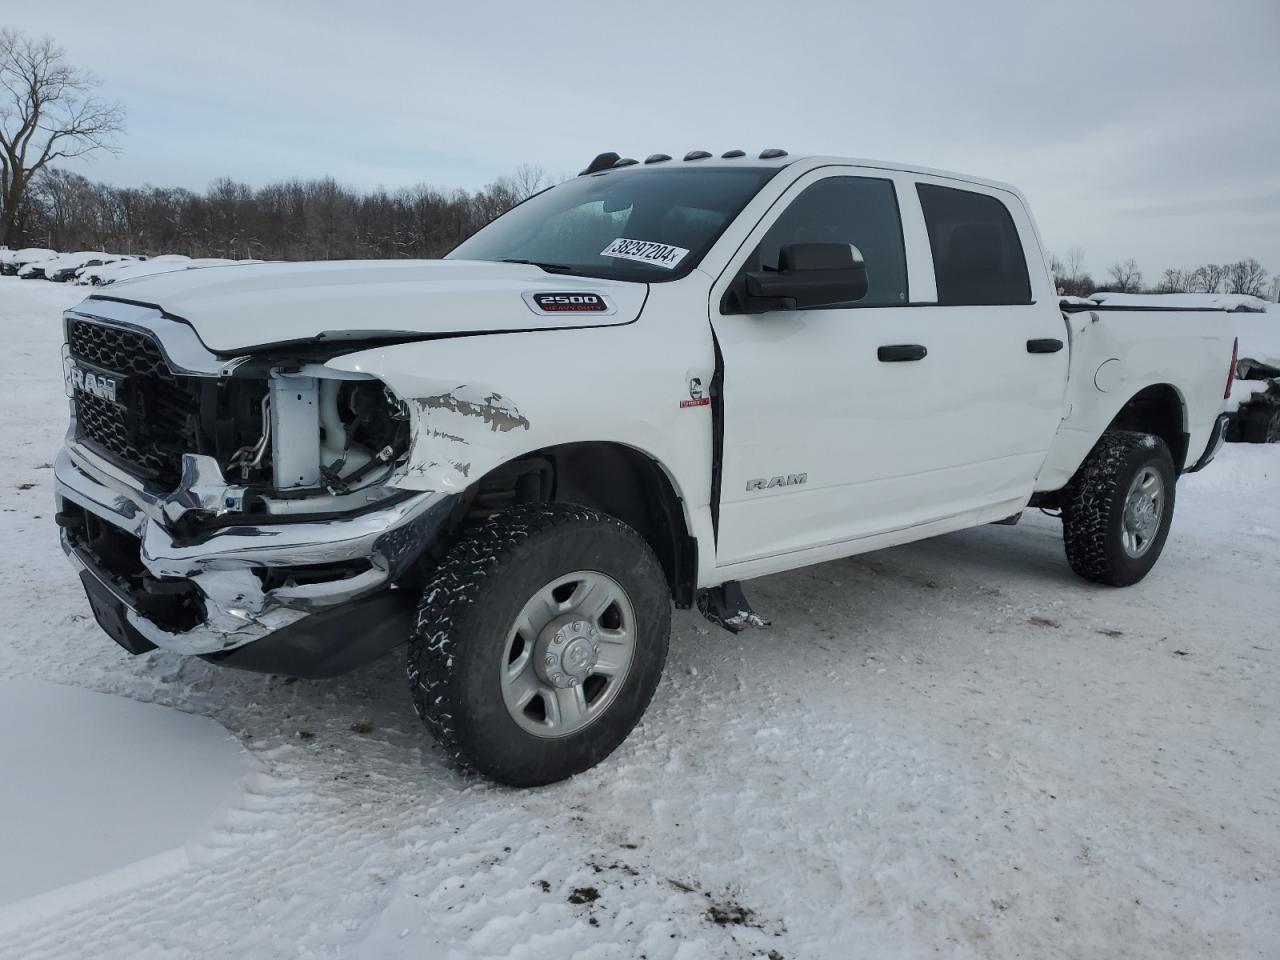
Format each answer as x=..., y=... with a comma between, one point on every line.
x=240, y=307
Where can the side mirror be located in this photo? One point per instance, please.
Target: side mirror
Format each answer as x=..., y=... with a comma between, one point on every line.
x=810, y=275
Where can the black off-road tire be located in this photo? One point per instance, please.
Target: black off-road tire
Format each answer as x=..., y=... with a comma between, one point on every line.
x=465, y=617
x=1093, y=507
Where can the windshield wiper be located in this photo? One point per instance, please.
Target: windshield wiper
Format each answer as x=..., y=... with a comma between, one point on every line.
x=549, y=267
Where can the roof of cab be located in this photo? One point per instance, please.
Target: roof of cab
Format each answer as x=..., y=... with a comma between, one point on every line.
x=809, y=161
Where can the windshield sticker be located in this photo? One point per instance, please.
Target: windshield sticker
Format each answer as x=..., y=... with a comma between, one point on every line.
x=644, y=251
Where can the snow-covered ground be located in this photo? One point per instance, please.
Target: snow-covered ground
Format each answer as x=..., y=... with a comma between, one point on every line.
x=950, y=749
x=71, y=754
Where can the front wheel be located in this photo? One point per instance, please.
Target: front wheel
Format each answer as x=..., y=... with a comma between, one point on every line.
x=1118, y=508
x=539, y=642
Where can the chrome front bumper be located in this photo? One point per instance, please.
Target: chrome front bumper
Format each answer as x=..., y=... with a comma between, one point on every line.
x=222, y=563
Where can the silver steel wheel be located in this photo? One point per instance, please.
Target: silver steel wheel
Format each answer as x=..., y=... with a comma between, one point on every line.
x=568, y=654
x=1143, y=509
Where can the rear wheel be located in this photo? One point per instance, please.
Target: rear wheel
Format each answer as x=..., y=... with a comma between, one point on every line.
x=539, y=642
x=1118, y=507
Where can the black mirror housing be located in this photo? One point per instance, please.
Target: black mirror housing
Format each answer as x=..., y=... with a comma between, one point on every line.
x=810, y=275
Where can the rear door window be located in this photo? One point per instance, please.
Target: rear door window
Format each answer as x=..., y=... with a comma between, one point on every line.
x=977, y=256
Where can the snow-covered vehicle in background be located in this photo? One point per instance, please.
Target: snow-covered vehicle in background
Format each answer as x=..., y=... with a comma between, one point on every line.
x=1255, y=397
x=12, y=261
x=113, y=272
x=73, y=273
x=96, y=267
x=168, y=263
x=63, y=267
x=92, y=276
x=35, y=269
x=1255, y=403
x=643, y=385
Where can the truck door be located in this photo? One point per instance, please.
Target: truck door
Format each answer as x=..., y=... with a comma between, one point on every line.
x=846, y=422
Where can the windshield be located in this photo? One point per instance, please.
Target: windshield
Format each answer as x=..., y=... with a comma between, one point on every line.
x=647, y=224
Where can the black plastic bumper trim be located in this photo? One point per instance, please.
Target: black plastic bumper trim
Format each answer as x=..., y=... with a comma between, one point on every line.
x=110, y=612
x=330, y=642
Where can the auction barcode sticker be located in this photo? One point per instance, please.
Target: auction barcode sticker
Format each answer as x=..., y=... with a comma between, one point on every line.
x=645, y=251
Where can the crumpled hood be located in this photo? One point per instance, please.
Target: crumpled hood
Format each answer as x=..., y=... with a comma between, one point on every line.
x=237, y=308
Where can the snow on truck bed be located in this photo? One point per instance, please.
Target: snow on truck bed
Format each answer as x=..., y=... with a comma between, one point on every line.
x=1183, y=301
x=1257, y=322
x=953, y=748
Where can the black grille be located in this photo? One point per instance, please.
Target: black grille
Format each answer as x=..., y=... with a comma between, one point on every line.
x=116, y=349
x=152, y=422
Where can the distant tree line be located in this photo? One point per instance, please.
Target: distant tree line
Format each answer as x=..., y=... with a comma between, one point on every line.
x=290, y=220
x=325, y=220
x=1244, y=276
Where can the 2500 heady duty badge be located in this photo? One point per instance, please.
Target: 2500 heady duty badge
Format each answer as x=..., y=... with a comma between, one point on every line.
x=635, y=389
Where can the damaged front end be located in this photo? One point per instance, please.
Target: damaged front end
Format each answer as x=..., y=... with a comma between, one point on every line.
x=242, y=509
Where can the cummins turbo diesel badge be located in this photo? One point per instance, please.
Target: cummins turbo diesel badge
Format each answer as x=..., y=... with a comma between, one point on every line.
x=645, y=251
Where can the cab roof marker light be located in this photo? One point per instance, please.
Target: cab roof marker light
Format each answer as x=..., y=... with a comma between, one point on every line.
x=657, y=158
x=773, y=153
x=625, y=162
x=697, y=155
x=603, y=161
x=732, y=154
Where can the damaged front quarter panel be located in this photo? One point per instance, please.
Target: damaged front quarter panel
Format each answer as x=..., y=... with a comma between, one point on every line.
x=493, y=409
x=453, y=428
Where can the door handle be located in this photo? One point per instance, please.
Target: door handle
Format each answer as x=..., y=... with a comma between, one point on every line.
x=901, y=353
x=1048, y=345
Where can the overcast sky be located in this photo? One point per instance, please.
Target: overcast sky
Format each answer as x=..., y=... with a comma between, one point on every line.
x=1144, y=129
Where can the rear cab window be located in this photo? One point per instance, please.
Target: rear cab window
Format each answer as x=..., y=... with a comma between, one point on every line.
x=977, y=255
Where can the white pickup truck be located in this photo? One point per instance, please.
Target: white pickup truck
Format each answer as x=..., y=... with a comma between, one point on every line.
x=639, y=387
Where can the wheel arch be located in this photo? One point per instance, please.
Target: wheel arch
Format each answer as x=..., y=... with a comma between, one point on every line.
x=1161, y=410
x=615, y=478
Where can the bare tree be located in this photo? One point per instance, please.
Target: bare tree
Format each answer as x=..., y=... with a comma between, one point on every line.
x=1069, y=276
x=1247, y=277
x=1175, y=281
x=1208, y=279
x=69, y=205
x=1058, y=272
x=1075, y=263
x=529, y=179
x=47, y=112
x=1125, y=276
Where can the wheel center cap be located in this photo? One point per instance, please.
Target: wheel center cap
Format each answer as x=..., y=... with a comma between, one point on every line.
x=566, y=651
x=1142, y=515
